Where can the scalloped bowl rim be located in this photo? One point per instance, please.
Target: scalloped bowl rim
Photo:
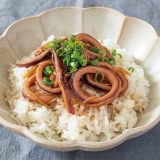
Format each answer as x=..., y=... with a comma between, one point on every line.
x=75, y=145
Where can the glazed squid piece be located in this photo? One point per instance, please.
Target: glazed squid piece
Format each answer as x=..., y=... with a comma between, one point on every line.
x=50, y=76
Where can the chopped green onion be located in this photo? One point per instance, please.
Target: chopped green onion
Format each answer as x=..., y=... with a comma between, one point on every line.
x=70, y=51
x=48, y=70
x=114, y=53
x=74, y=66
x=83, y=62
x=119, y=55
x=94, y=62
x=99, y=77
x=72, y=70
x=47, y=81
x=55, y=44
x=101, y=58
x=131, y=69
x=94, y=49
x=78, y=48
x=72, y=38
x=112, y=61
x=67, y=60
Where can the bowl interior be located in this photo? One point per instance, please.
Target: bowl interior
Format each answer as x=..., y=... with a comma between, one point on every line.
x=138, y=37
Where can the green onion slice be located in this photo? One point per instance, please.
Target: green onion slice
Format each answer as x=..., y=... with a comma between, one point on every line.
x=114, y=53
x=94, y=62
x=48, y=70
x=47, y=81
x=118, y=54
x=132, y=69
x=112, y=61
x=94, y=49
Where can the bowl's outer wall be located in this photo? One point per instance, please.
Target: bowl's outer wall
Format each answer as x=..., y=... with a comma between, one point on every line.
x=138, y=37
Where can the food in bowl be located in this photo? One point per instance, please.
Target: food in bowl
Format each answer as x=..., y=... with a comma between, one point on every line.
x=77, y=88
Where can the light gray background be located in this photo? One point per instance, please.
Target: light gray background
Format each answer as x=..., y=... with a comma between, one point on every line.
x=14, y=147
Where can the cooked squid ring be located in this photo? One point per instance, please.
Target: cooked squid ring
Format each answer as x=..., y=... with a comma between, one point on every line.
x=39, y=78
x=105, y=99
x=121, y=74
x=33, y=95
x=34, y=60
x=86, y=38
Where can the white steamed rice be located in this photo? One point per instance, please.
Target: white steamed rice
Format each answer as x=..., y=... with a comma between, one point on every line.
x=96, y=124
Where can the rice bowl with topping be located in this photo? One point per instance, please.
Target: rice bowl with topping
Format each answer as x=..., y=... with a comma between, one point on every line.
x=83, y=122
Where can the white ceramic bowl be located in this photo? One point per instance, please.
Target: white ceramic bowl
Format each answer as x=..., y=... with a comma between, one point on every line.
x=137, y=36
